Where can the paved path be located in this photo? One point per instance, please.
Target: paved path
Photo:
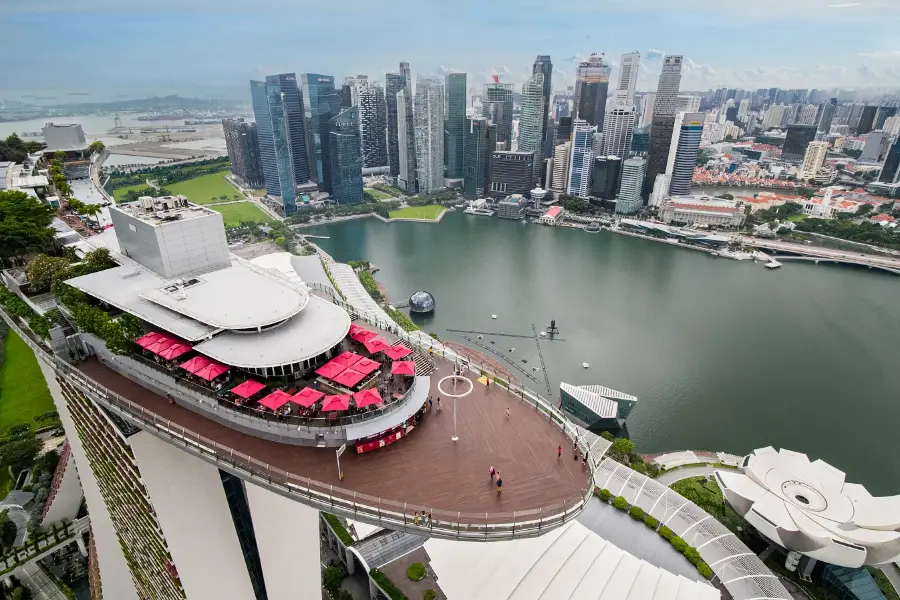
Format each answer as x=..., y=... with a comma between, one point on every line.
x=677, y=474
x=893, y=575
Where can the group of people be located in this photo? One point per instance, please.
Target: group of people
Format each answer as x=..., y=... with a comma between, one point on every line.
x=575, y=453
x=494, y=472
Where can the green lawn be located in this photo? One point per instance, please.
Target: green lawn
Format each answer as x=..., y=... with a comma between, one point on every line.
x=429, y=211
x=119, y=194
x=260, y=193
x=200, y=190
x=796, y=218
x=240, y=211
x=378, y=194
x=23, y=391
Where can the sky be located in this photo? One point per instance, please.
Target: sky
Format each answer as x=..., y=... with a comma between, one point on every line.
x=213, y=47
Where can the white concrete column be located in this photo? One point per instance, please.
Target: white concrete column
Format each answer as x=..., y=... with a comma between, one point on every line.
x=81, y=547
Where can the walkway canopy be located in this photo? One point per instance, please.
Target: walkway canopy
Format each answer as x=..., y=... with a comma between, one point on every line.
x=366, y=398
x=366, y=366
x=330, y=370
x=337, y=402
x=276, y=399
x=211, y=371
x=247, y=389
x=349, y=377
x=347, y=359
x=397, y=352
x=307, y=397
x=375, y=345
x=148, y=339
x=403, y=367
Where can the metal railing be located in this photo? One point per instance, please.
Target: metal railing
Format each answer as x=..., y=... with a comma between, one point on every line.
x=401, y=516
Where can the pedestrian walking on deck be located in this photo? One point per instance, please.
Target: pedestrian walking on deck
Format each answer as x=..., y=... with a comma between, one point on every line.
x=507, y=413
x=559, y=454
x=492, y=472
x=430, y=403
x=499, y=485
x=439, y=405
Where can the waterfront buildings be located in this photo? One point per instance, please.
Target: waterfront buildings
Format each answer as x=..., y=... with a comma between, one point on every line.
x=797, y=140
x=544, y=66
x=531, y=133
x=663, y=123
x=512, y=207
x=683, y=150
x=345, y=156
x=480, y=143
x=406, y=134
x=606, y=177
x=454, y=134
x=629, y=200
x=242, y=143
x=511, y=173
x=370, y=101
x=393, y=83
x=321, y=102
x=597, y=407
x=429, y=129
x=64, y=137
x=497, y=106
x=813, y=159
x=702, y=210
x=581, y=159
x=591, y=89
x=560, y=170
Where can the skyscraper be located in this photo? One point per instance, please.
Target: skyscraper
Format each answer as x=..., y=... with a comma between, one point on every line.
x=406, y=176
x=563, y=130
x=648, y=103
x=322, y=102
x=581, y=160
x=628, y=74
x=882, y=114
x=866, y=120
x=511, y=173
x=531, y=132
x=560, y=179
x=278, y=109
x=454, y=134
x=668, y=86
x=827, y=115
x=497, y=105
x=409, y=182
x=481, y=141
x=683, y=150
x=372, y=124
x=606, y=177
x=619, y=130
x=890, y=172
x=345, y=157
x=813, y=159
x=393, y=83
x=797, y=140
x=429, y=129
x=544, y=66
x=629, y=199
x=242, y=142
x=807, y=114
x=591, y=89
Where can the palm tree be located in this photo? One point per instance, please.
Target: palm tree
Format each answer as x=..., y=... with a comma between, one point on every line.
x=89, y=210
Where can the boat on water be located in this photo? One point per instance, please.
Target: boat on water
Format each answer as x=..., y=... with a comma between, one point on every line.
x=585, y=365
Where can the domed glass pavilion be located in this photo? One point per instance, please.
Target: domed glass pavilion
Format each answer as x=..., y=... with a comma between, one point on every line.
x=421, y=302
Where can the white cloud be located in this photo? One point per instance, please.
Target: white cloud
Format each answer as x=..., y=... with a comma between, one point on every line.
x=653, y=53
x=845, y=5
x=880, y=54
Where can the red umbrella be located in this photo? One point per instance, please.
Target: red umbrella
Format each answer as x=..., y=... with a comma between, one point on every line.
x=161, y=344
x=174, y=351
x=337, y=402
x=307, y=397
x=366, y=398
x=275, y=400
x=148, y=338
x=248, y=388
x=330, y=370
x=195, y=364
x=366, y=366
x=375, y=345
x=347, y=359
x=349, y=377
x=403, y=367
x=363, y=335
x=397, y=352
x=354, y=329
x=211, y=371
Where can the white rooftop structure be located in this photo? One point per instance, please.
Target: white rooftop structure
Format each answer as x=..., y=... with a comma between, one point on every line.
x=569, y=563
x=807, y=506
x=599, y=399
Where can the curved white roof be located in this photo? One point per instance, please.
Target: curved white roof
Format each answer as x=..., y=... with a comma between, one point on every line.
x=315, y=329
x=808, y=507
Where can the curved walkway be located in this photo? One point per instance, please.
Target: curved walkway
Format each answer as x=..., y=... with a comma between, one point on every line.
x=670, y=477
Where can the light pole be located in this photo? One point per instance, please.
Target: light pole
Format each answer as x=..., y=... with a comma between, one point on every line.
x=455, y=394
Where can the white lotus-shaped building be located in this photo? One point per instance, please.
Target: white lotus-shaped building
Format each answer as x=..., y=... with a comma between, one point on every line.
x=808, y=507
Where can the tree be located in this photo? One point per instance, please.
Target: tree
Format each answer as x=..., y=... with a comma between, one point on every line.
x=21, y=593
x=43, y=270
x=60, y=156
x=98, y=260
x=96, y=147
x=19, y=453
x=806, y=192
x=24, y=224
x=8, y=530
x=621, y=448
x=864, y=209
x=113, y=334
x=131, y=326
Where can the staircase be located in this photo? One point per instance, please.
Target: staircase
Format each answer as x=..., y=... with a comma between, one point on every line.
x=424, y=363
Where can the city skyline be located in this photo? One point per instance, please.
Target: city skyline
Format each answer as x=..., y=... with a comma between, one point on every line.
x=705, y=38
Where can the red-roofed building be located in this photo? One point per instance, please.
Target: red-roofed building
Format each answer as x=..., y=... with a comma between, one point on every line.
x=702, y=210
x=553, y=216
x=884, y=220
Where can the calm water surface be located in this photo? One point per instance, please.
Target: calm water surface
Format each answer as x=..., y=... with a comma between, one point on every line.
x=723, y=355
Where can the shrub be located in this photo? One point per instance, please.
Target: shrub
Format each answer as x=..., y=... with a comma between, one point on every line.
x=666, y=533
x=650, y=522
x=415, y=571
x=692, y=555
x=621, y=503
x=387, y=585
x=338, y=528
x=605, y=494
x=678, y=543
x=331, y=579
x=704, y=570
x=636, y=513
x=429, y=595
x=18, y=428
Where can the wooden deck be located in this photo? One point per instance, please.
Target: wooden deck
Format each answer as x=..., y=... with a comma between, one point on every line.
x=427, y=468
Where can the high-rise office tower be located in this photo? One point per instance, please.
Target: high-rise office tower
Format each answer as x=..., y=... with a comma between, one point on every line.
x=806, y=115
x=406, y=176
x=875, y=147
x=866, y=120
x=606, y=177
x=511, y=173
x=372, y=124
x=560, y=178
x=544, y=66
x=882, y=114
x=481, y=141
x=827, y=115
x=774, y=116
x=640, y=140
x=628, y=74
x=688, y=104
x=429, y=129
x=242, y=143
x=347, y=92
x=410, y=182
x=531, y=133
x=618, y=132
x=563, y=131
x=743, y=108
x=393, y=83
x=683, y=151
x=591, y=89
x=890, y=172
x=648, y=103
x=455, y=132
x=322, y=103
x=813, y=159
x=668, y=86
x=797, y=140
x=345, y=156
x=628, y=200
x=581, y=160
x=658, y=153
x=278, y=109
x=497, y=105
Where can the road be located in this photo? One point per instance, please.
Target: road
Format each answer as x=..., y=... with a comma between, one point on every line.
x=825, y=253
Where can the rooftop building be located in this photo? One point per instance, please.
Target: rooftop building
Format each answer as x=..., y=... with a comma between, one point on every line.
x=64, y=137
x=702, y=210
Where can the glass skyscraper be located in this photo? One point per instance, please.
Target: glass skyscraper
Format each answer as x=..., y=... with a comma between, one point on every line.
x=531, y=133
x=683, y=151
x=322, y=103
x=456, y=124
x=544, y=66
x=581, y=161
x=498, y=107
x=345, y=157
x=591, y=89
x=481, y=140
x=393, y=83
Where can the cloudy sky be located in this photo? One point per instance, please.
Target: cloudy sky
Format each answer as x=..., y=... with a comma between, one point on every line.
x=173, y=46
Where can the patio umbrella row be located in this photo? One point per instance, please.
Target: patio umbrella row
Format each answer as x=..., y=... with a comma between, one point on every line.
x=308, y=396
x=162, y=345
x=348, y=369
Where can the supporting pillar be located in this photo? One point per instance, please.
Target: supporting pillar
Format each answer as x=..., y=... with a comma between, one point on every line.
x=81, y=547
